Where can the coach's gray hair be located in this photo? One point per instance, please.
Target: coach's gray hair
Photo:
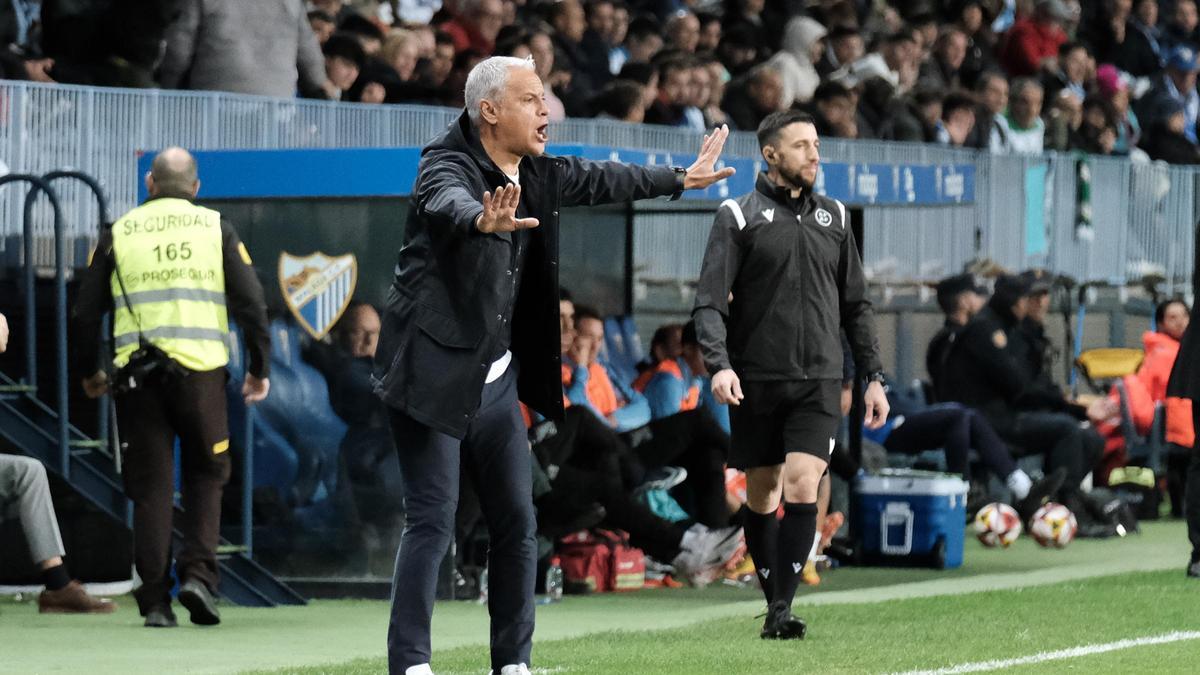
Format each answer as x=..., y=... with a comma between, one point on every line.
x=487, y=79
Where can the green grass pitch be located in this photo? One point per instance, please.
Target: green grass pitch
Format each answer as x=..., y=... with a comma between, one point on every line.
x=1024, y=602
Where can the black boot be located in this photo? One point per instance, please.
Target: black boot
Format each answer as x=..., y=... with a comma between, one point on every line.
x=1039, y=493
x=781, y=624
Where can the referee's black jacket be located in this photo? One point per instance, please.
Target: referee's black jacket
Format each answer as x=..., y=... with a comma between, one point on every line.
x=461, y=297
x=797, y=281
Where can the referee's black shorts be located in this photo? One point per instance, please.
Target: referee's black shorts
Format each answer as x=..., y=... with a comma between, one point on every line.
x=778, y=417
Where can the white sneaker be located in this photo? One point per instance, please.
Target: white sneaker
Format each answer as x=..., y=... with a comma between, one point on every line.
x=705, y=552
x=513, y=669
x=422, y=669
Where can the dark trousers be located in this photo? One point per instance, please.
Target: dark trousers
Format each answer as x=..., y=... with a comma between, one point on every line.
x=192, y=408
x=575, y=490
x=585, y=442
x=495, y=455
x=956, y=430
x=1192, y=504
x=1061, y=438
x=694, y=441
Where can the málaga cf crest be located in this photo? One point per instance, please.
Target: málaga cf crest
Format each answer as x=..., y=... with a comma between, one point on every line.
x=317, y=288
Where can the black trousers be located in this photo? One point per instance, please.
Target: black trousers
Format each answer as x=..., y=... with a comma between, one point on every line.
x=575, y=490
x=1192, y=504
x=193, y=408
x=586, y=443
x=495, y=456
x=694, y=441
x=956, y=430
x=1061, y=438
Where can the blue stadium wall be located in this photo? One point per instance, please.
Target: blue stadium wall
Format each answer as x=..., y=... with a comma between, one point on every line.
x=355, y=200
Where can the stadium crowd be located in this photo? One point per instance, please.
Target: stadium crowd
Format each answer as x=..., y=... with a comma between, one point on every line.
x=1112, y=77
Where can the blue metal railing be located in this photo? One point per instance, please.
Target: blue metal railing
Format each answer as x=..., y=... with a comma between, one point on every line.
x=60, y=306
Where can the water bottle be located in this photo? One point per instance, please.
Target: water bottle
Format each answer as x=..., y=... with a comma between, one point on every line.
x=554, y=580
x=483, y=586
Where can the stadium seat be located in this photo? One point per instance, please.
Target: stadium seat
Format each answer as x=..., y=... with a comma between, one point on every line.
x=1101, y=366
x=297, y=434
x=1149, y=450
x=622, y=347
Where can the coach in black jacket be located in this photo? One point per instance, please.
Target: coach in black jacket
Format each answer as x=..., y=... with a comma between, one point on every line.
x=471, y=324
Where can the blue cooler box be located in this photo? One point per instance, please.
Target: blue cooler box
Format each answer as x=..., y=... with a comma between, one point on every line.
x=913, y=518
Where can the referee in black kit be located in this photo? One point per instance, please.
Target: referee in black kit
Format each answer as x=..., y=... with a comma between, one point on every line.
x=781, y=279
x=471, y=325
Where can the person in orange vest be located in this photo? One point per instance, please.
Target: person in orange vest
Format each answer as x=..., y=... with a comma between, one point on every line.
x=665, y=344
x=1144, y=389
x=669, y=385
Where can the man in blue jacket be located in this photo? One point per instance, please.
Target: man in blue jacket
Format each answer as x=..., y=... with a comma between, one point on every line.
x=471, y=324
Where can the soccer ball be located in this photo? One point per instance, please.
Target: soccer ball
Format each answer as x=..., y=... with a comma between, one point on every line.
x=997, y=525
x=1053, y=525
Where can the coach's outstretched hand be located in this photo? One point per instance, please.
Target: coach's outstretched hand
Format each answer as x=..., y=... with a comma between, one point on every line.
x=500, y=211
x=701, y=174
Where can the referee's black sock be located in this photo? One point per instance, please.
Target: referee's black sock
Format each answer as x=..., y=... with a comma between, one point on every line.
x=796, y=532
x=762, y=537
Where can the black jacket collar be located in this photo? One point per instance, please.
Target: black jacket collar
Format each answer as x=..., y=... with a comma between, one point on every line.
x=781, y=195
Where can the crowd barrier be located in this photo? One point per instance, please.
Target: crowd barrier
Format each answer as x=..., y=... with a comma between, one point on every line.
x=1026, y=211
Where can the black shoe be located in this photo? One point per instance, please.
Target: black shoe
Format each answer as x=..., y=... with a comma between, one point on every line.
x=200, y=603
x=781, y=624
x=160, y=617
x=1193, y=569
x=1039, y=493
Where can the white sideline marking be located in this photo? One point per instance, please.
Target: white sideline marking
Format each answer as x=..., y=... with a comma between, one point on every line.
x=1073, y=652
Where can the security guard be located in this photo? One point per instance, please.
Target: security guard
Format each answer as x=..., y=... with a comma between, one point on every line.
x=174, y=272
x=986, y=370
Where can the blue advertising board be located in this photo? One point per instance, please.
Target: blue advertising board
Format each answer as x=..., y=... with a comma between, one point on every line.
x=391, y=172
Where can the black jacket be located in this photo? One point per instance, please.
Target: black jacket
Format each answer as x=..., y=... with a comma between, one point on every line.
x=1036, y=353
x=985, y=370
x=457, y=290
x=245, y=301
x=938, y=353
x=796, y=286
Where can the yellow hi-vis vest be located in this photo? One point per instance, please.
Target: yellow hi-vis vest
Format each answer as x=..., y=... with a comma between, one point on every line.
x=168, y=252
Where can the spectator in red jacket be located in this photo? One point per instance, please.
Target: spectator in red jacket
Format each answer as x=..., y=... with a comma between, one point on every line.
x=1032, y=43
x=475, y=25
x=1145, y=389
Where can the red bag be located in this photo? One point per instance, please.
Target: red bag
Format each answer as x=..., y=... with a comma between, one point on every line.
x=627, y=567
x=585, y=563
x=602, y=561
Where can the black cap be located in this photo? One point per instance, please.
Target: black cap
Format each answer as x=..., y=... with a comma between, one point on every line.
x=1009, y=289
x=1038, y=280
x=950, y=288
